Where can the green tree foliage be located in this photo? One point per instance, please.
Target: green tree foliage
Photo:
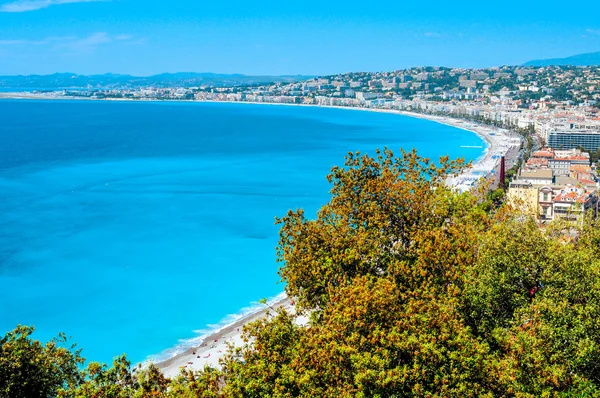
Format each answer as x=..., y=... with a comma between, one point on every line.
x=29, y=368
x=197, y=384
x=377, y=206
x=102, y=381
x=406, y=288
x=414, y=290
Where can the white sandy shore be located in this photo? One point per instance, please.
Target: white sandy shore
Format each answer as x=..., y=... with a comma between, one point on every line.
x=499, y=142
x=212, y=347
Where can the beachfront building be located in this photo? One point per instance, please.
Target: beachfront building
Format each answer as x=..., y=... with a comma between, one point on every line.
x=365, y=96
x=589, y=140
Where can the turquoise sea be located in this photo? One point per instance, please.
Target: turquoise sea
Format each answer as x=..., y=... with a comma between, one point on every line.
x=137, y=226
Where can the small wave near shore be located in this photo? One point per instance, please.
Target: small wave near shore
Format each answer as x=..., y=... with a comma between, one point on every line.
x=211, y=344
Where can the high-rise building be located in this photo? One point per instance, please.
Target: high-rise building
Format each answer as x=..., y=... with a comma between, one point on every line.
x=588, y=140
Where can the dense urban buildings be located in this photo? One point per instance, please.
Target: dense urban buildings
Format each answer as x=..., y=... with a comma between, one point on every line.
x=556, y=184
x=559, y=103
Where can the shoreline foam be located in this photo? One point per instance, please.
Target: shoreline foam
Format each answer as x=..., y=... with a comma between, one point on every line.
x=210, y=347
x=212, y=329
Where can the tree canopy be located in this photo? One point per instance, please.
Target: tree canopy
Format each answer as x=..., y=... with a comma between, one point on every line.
x=29, y=368
x=411, y=289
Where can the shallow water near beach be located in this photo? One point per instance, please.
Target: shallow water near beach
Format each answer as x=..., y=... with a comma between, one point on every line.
x=136, y=226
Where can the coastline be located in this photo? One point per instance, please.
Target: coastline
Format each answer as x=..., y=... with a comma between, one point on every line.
x=213, y=346
x=498, y=144
x=499, y=141
x=208, y=349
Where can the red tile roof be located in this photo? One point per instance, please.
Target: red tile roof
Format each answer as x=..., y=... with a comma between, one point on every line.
x=580, y=168
x=537, y=162
x=542, y=154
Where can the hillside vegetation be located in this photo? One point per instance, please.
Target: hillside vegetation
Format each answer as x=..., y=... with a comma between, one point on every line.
x=412, y=290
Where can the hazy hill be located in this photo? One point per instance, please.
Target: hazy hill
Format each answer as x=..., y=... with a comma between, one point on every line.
x=587, y=59
x=110, y=80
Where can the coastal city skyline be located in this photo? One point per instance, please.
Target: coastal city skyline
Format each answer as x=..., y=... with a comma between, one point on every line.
x=299, y=199
x=309, y=38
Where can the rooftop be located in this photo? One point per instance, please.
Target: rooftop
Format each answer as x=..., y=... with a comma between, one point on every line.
x=536, y=173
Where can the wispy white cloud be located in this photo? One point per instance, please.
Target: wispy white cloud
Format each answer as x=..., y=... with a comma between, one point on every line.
x=32, y=5
x=11, y=42
x=44, y=41
x=72, y=44
x=593, y=31
x=432, y=34
x=86, y=44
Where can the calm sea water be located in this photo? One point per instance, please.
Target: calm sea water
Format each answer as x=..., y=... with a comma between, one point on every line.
x=135, y=226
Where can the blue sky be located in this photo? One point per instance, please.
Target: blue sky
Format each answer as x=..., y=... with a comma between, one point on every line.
x=145, y=37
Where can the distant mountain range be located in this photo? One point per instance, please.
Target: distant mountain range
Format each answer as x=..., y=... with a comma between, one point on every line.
x=588, y=59
x=110, y=80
